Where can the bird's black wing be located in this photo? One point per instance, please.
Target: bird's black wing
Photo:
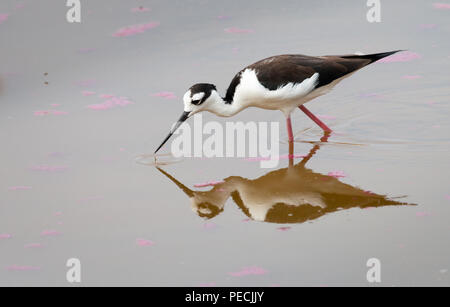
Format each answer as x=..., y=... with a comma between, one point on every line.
x=277, y=71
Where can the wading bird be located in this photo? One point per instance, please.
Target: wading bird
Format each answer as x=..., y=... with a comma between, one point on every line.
x=282, y=82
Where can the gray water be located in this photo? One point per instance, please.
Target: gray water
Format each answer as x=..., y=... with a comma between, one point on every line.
x=72, y=188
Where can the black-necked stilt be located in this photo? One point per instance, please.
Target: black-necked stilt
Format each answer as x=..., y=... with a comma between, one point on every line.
x=282, y=82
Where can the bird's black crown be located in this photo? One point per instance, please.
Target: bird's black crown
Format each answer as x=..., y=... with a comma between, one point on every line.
x=202, y=88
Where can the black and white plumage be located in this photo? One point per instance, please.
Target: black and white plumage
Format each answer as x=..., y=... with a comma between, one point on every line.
x=282, y=82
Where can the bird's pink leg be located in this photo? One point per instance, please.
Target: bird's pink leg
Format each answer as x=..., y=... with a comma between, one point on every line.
x=289, y=128
x=315, y=119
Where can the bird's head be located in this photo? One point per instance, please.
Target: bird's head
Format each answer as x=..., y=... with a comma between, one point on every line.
x=199, y=97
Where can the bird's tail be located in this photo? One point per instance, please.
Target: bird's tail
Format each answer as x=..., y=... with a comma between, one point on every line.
x=372, y=57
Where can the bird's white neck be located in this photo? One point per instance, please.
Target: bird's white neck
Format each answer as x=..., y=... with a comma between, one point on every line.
x=220, y=107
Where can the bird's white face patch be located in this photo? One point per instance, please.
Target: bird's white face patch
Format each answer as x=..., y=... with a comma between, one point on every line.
x=189, y=106
x=198, y=96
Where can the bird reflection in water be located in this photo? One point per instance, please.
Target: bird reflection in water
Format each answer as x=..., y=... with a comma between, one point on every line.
x=294, y=194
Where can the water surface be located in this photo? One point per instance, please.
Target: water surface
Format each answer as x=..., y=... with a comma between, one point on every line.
x=79, y=104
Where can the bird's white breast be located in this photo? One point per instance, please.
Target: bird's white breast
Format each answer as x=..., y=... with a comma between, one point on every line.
x=251, y=93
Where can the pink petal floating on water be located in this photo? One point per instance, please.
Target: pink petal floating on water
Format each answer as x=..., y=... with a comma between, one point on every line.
x=422, y=214
x=246, y=220
x=111, y=103
x=253, y=270
x=135, y=29
x=412, y=77
x=223, y=17
x=285, y=228
x=55, y=112
x=207, y=284
x=404, y=56
x=22, y=268
x=19, y=188
x=237, y=30
x=323, y=116
x=144, y=242
x=49, y=233
x=428, y=26
x=209, y=225
x=34, y=245
x=441, y=6
x=166, y=95
x=3, y=18
x=87, y=93
x=19, y=6
x=207, y=184
x=337, y=174
x=447, y=197
x=48, y=168
x=59, y=213
x=49, y=112
x=5, y=236
x=106, y=96
x=140, y=9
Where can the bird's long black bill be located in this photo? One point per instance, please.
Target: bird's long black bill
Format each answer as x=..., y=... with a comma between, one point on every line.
x=183, y=117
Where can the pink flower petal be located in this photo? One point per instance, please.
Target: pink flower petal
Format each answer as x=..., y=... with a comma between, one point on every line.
x=22, y=268
x=19, y=187
x=140, y=9
x=144, y=242
x=166, y=95
x=337, y=174
x=422, y=214
x=285, y=228
x=34, y=245
x=441, y=6
x=135, y=29
x=253, y=270
x=87, y=93
x=411, y=77
x=237, y=30
x=49, y=112
x=5, y=236
x=48, y=233
x=3, y=18
x=207, y=184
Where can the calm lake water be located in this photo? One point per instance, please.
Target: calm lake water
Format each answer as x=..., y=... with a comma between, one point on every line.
x=82, y=103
